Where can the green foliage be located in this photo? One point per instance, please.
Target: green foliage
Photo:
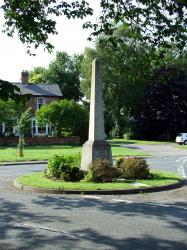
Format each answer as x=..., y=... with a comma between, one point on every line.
x=35, y=21
x=8, y=90
x=7, y=112
x=23, y=121
x=50, y=113
x=86, y=70
x=158, y=21
x=125, y=74
x=22, y=124
x=10, y=111
x=65, y=115
x=164, y=113
x=133, y=168
x=65, y=167
x=65, y=70
x=101, y=170
x=37, y=75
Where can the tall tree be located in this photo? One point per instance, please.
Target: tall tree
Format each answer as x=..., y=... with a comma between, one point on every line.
x=158, y=21
x=66, y=116
x=37, y=75
x=125, y=73
x=64, y=70
x=7, y=90
x=10, y=111
x=165, y=105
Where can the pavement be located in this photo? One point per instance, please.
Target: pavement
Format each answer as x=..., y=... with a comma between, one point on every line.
x=12, y=163
x=160, y=150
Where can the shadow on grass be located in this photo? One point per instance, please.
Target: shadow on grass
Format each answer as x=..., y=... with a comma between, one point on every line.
x=122, y=146
x=120, y=142
x=56, y=222
x=68, y=146
x=164, y=178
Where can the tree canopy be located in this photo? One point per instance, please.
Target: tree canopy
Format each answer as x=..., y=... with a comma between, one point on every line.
x=65, y=117
x=10, y=113
x=8, y=90
x=159, y=21
x=125, y=74
x=64, y=70
x=34, y=19
x=165, y=105
x=37, y=75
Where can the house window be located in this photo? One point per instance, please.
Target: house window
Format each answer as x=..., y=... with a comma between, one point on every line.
x=42, y=130
x=39, y=129
x=40, y=102
x=2, y=129
x=33, y=127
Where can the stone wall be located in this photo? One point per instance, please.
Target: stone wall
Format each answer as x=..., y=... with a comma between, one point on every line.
x=75, y=140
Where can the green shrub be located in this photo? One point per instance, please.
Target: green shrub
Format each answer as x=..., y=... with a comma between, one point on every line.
x=133, y=168
x=65, y=167
x=101, y=170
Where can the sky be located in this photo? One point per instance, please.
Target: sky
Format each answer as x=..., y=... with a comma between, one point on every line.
x=14, y=59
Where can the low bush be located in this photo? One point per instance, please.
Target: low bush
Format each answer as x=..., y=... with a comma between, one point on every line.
x=133, y=168
x=101, y=170
x=65, y=167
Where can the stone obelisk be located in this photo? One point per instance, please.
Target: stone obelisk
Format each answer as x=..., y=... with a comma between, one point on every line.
x=96, y=147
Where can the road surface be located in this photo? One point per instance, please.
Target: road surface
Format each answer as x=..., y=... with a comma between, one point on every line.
x=43, y=221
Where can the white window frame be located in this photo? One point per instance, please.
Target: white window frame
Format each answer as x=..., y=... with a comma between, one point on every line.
x=46, y=126
x=40, y=102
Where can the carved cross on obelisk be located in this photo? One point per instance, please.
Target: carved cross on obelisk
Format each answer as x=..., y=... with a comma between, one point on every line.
x=96, y=147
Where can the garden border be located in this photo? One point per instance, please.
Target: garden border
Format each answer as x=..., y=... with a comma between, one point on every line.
x=101, y=192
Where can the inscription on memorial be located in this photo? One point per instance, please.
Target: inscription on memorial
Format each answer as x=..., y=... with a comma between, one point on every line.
x=100, y=153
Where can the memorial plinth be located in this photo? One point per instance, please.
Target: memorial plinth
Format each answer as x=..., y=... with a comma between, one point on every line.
x=96, y=147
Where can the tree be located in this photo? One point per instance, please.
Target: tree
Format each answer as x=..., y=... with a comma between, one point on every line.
x=37, y=75
x=34, y=20
x=158, y=21
x=64, y=116
x=165, y=106
x=86, y=70
x=10, y=112
x=8, y=90
x=125, y=74
x=22, y=124
x=65, y=71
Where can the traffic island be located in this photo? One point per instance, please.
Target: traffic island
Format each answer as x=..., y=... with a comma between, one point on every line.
x=161, y=181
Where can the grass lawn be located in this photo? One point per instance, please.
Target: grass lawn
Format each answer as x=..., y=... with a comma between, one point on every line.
x=181, y=146
x=141, y=142
x=45, y=152
x=39, y=181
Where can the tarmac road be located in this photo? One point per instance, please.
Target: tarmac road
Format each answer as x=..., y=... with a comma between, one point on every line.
x=43, y=221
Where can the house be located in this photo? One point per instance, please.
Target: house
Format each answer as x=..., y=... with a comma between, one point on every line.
x=40, y=94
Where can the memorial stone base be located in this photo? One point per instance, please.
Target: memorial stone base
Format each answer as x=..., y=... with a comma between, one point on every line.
x=93, y=150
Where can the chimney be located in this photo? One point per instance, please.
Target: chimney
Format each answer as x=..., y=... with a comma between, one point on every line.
x=24, y=77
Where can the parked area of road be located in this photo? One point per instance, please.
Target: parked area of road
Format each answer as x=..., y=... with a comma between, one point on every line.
x=143, y=221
